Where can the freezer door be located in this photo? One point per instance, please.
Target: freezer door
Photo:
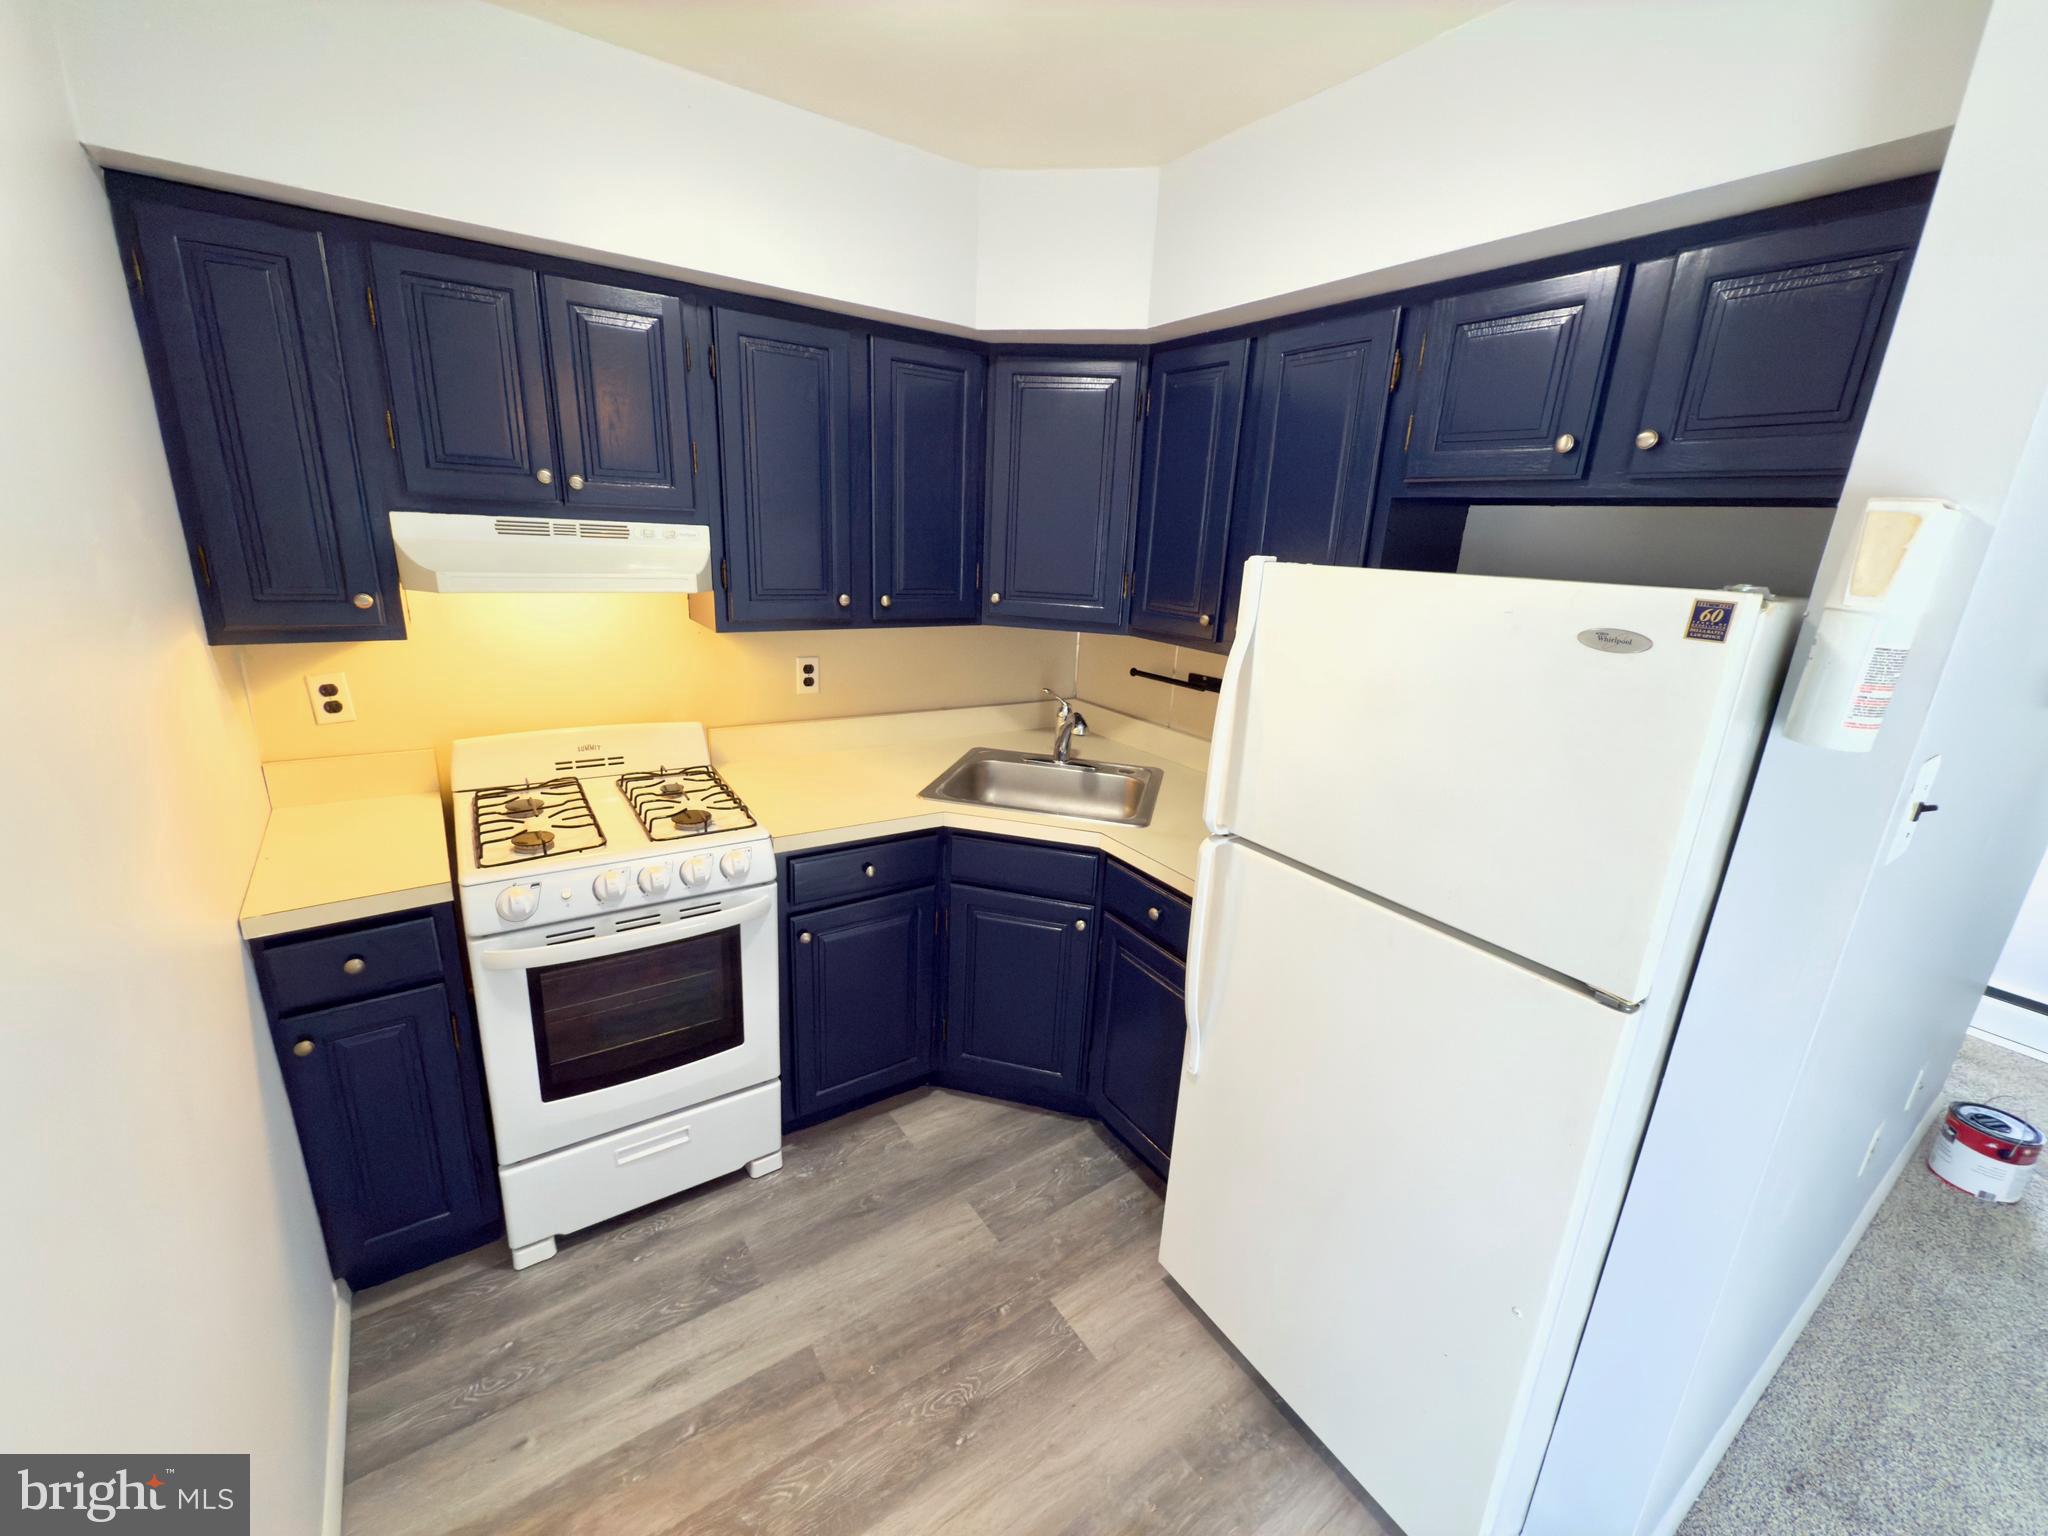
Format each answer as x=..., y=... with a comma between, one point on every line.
x=1380, y=1166
x=1524, y=761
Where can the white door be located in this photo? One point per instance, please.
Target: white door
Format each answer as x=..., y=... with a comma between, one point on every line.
x=1503, y=756
x=1383, y=1153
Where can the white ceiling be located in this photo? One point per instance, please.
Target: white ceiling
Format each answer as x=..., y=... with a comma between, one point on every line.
x=1021, y=85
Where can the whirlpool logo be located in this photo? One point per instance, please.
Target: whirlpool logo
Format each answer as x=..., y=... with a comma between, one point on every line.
x=166, y=1496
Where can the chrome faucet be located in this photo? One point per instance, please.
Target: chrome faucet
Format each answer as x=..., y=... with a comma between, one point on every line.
x=1066, y=725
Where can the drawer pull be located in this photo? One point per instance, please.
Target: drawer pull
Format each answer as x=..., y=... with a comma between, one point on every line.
x=652, y=1148
x=302, y=1048
x=354, y=965
x=1152, y=913
x=868, y=870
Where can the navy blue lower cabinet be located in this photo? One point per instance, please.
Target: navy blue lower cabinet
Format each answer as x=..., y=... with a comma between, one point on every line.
x=1139, y=1033
x=863, y=999
x=1194, y=408
x=1061, y=451
x=1016, y=1018
x=377, y=1092
x=1508, y=380
x=1755, y=359
x=928, y=410
x=238, y=325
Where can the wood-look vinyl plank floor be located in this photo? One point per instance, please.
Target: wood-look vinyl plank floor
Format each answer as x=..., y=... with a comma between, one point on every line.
x=944, y=1313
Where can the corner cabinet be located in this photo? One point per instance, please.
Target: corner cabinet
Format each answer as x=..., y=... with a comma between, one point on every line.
x=1754, y=360
x=1017, y=994
x=238, y=326
x=928, y=414
x=1061, y=450
x=1509, y=379
x=1195, y=408
x=785, y=410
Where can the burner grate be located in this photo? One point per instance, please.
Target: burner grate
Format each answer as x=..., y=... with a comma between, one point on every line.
x=684, y=802
x=518, y=823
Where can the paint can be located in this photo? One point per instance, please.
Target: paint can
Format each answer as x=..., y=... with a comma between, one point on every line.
x=1987, y=1153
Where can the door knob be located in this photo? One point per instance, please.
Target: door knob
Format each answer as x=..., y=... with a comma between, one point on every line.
x=995, y=597
x=575, y=482
x=845, y=600
x=1565, y=442
x=803, y=938
x=1080, y=925
x=1648, y=438
x=1203, y=620
x=885, y=599
x=302, y=1048
x=544, y=476
x=364, y=600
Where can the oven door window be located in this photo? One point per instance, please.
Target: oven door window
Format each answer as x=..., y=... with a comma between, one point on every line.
x=607, y=1021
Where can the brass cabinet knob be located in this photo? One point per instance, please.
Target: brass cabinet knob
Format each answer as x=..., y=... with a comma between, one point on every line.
x=302, y=1048
x=868, y=870
x=1565, y=442
x=845, y=600
x=1152, y=913
x=364, y=600
x=353, y=966
x=1080, y=925
x=1648, y=438
x=575, y=482
x=995, y=597
x=1203, y=620
x=544, y=476
x=803, y=938
x=885, y=599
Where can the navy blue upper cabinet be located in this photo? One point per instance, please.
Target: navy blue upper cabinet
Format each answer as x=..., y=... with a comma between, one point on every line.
x=863, y=998
x=1017, y=1004
x=1195, y=397
x=462, y=344
x=928, y=415
x=1318, y=414
x=637, y=417
x=1756, y=357
x=1061, y=434
x=248, y=372
x=785, y=422
x=1509, y=379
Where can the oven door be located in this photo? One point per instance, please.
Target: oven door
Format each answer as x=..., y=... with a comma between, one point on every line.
x=586, y=1035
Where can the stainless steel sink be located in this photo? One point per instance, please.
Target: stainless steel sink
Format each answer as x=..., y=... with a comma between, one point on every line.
x=1031, y=781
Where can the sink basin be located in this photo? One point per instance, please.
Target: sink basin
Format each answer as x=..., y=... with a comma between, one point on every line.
x=1029, y=781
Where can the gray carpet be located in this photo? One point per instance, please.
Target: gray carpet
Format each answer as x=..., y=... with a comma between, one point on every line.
x=1864, y=1432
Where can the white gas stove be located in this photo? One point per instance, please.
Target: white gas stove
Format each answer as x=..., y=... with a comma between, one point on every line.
x=620, y=906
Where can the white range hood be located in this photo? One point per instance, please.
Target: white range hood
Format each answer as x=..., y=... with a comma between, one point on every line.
x=471, y=552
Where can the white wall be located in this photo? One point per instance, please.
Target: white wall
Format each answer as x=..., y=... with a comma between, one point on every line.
x=1537, y=128
x=1775, y=547
x=1830, y=981
x=165, y=1287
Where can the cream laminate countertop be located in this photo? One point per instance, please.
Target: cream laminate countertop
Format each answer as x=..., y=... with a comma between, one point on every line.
x=819, y=783
x=348, y=838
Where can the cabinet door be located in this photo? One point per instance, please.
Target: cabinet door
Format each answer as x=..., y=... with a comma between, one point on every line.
x=1139, y=1034
x=252, y=397
x=378, y=1099
x=1756, y=357
x=863, y=998
x=1060, y=452
x=1318, y=412
x=1196, y=398
x=929, y=420
x=1509, y=379
x=469, y=393
x=785, y=420
x=636, y=414
x=1017, y=1005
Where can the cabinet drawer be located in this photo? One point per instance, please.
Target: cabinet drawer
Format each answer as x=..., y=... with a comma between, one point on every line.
x=1161, y=915
x=866, y=869
x=1028, y=868
x=340, y=967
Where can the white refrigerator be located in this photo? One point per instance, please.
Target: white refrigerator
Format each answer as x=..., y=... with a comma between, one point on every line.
x=1465, y=834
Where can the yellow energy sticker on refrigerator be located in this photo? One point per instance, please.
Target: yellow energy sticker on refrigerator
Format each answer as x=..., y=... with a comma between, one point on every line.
x=1710, y=618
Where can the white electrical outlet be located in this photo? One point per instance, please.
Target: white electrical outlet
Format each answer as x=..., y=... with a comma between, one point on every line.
x=1870, y=1151
x=807, y=674
x=332, y=703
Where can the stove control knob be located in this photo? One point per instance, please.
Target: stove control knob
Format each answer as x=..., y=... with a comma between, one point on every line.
x=654, y=879
x=609, y=886
x=735, y=862
x=696, y=870
x=516, y=903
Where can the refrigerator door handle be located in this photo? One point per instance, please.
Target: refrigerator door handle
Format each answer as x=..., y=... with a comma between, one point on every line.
x=1230, y=699
x=1205, y=904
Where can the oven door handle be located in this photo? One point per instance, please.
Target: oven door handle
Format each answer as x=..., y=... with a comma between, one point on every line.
x=533, y=956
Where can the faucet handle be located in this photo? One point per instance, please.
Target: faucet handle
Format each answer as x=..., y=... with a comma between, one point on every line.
x=1066, y=704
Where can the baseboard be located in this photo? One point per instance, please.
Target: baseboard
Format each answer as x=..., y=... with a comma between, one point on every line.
x=1724, y=1437
x=2007, y=1043
x=337, y=1410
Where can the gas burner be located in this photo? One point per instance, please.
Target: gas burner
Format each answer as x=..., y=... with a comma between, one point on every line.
x=516, y=823
x=684, y=802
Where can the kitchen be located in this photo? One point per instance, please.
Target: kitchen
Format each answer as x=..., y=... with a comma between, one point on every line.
x=651, y=606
